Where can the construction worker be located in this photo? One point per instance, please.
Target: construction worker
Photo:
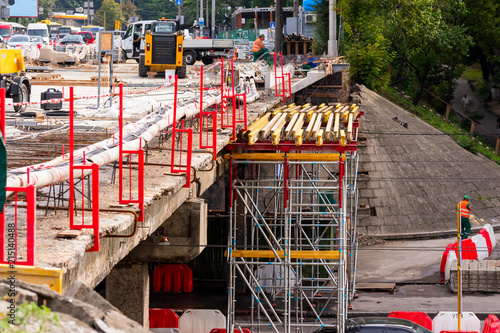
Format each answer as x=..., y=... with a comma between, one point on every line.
x=310, y=62
x=464, y=217
x=259, y=49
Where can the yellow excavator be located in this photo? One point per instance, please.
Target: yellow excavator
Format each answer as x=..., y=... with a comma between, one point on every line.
x=163, y=49
x=14, y=79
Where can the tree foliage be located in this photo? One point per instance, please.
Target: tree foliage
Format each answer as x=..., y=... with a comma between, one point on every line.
x=106, y=16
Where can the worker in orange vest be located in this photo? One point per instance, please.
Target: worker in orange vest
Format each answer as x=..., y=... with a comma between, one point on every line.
x=259, y=49
x=465, y=210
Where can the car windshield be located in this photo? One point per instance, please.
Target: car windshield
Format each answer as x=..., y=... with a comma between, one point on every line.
x=19, y=39
x=86, y=35
x=164, y=27
x=38, y=32
x=4, y=32
x=72, y=38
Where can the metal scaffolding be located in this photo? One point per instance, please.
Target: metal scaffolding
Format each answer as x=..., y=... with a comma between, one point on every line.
x=292, y=242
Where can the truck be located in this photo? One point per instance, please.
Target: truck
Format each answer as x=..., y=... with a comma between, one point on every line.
x=205, y=50
x=14, y=79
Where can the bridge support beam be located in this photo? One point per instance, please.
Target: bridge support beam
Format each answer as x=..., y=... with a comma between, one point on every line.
x=127, y=288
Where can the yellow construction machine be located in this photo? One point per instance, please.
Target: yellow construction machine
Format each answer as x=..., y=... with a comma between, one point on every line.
x=163, y=50
x=14, y=79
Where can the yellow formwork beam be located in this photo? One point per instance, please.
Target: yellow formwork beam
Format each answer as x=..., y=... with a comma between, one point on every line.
x=290, y=126
x=355, y=111
x=305, y=254
x=298, y=137
x=328, y=128
x=319, y=138
x=346, y=116
x=310, y=112
x=343, y=140
x=349, y=127
x=320, y=157
x=336, y=127
x=52, y=277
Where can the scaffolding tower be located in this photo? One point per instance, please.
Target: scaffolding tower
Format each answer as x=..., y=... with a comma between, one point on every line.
x=292, y=232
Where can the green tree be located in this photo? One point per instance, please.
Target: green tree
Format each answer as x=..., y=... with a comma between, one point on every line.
x=365, y=44
x=426, y=43
x=483, y=24
x=106, y=16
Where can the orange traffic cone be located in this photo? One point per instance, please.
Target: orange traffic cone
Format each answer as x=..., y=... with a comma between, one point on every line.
x=235, y=53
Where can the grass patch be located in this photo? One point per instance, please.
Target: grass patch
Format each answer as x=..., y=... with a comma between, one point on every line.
x=30, y=318
x=472, y=74
x=475, y=77
x=476, y=145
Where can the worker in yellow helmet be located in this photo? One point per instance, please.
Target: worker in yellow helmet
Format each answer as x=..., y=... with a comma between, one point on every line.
x=464, y=217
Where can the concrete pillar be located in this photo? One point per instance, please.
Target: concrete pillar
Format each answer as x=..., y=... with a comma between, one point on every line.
x=127, y=288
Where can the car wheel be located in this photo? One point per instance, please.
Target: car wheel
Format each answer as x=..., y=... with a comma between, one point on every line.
x=207, y=60
x=189, y=58
x=23, y=96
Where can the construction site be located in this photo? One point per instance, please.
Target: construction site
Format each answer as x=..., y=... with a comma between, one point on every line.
x=244, y=197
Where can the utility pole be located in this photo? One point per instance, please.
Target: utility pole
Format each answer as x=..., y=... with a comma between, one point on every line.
x=213, y=18
x=332, y=40
x=278, y=39
x=206, y=17
x=201, y=14
x=197, y=12
x=295, y=8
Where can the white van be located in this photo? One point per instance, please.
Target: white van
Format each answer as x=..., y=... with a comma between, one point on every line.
x=39, y=29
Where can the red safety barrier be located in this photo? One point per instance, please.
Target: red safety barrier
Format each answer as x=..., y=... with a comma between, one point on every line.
x=483, y=232
x=185, y=146
x=420, y=318
x=282, y=81
x=449, y=247
x=9, y=244
x=175, y=278
x=140, y=168
x=458, y=332
x=94, y=200
x=238, y=108
x=469, y=252
x=236, y=330
x=159, y=318
x=208, y=122
x=491, y=324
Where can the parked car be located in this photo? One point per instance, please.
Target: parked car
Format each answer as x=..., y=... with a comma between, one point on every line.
x=87, y=36
x=37, y=41
x=17, y=41
x=69, y=42
x=378, y=325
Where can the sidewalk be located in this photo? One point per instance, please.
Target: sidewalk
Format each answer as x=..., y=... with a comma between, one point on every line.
x=414, y=267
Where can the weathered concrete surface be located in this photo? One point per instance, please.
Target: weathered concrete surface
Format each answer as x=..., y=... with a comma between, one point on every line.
x=417, y=175
x=164, y=194
x=186, y=231
x=127, y=288
x=84, y=311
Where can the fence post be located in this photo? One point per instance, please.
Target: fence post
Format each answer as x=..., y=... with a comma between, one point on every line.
x=472, y=125
x=448, y=106
x=497, y=146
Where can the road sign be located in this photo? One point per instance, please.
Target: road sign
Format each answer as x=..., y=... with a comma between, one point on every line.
x=273, y=25
x=117, y=25
x=201, y=21
x=178, y=2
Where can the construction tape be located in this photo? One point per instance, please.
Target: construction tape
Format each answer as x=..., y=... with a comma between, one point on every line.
x=57, y=100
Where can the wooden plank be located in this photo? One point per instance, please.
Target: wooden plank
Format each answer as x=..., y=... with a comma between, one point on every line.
x=349, y=128
x=69, y=233
x=336, y=127
x=370, y=286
